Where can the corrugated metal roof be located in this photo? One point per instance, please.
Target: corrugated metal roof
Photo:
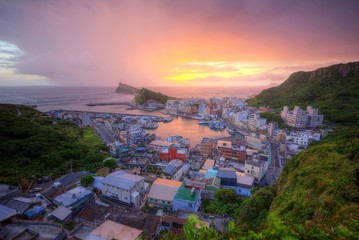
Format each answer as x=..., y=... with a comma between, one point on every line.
x=173, y=166
x=112, y=230
x=61, y=213
x=244, y=179
x=70, y=197
x=122, y=180
x=6, y=213
x=227, y=173
x=164, y=189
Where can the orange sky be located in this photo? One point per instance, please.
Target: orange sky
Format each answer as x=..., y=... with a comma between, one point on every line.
x=172, y=43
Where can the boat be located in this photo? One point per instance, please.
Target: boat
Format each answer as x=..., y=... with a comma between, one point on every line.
x=203, y=122
x=168, y=119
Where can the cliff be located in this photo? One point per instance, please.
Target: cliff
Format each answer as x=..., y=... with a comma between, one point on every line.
x=126, y=89
x=334, y=90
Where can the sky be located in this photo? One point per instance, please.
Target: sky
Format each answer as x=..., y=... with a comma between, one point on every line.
x=172, y=42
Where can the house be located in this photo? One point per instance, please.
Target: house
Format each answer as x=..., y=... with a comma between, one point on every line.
x=141, y=162
x=173, y=152
x=162, y=193
x=230, y=152
x=228, y=176
x=256, y=167
x=93, y=214
x=111, y=230
x=70, y=179
x=187, y=199
x=244, y=184
x=62, y=214
x=6, y=213
x=173, y=170
x=74, y=199
x=208, y=164
x=206, y=146
x=124, y=187
x=158, y=145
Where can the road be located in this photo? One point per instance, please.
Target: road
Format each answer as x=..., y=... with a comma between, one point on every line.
x=104, y=132
x=275, y=166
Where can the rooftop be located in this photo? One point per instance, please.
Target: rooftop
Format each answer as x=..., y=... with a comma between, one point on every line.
x=173, y=166
x=255, y=163
x=112, y=230
x=72, y=196
x=224, y=144
x=164, y=189
x=6, y=213
x=208, y=164
x=185, y=194
x=122, y=180
x=61, y=213
x=227, y=173
x=19, y=206
x=138, y=161
x=244, y=179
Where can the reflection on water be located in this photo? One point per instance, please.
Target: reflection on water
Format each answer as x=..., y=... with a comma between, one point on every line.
x=187, y=128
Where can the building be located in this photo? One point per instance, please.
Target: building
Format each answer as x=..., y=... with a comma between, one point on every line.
x=141, y=162
x=112, y=230
x=228, y=176
x=206, y=146
x=162, y=193
x=6, y=213
x=256, y=167
x=231, y=152
x=244, y=184
x=173, y=171
x=208, y=164
x=300, y=118
x=272, y=127
x=135, y=134
x=173, y=152
x=124, y=187
x=74, y=199
x=187, y=199
x=158, y=145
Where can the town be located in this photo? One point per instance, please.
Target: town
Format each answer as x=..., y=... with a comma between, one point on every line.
x=151, y=185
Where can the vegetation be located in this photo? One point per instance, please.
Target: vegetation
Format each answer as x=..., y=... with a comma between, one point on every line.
x=87, y=180
x=334, y=90
x=143, y=95
x=110, y=163
x=273, y=117
x=226, y=202
x=31, y=143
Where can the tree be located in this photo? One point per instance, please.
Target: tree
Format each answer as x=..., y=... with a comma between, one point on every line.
x=226, y=195
x=87, y=180
x=110, y=163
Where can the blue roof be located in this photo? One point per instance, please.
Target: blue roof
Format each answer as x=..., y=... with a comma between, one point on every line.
x=211, y=173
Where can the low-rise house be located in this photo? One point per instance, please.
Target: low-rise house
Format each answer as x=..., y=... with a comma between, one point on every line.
x=228, y=176
x=187, y=199
x=208, y=164
x=70, y=179
x=162, y=193
x=124, y=187
x=256, y=167
x=141, y=162
x=93, y=214
x=6, y=213
x=74, y=199
x=173, y=170
x=62, y=214
x=244, y=184
x=112, y=230
x=158, y=145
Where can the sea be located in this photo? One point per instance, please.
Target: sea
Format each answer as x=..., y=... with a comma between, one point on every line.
x=48, y=98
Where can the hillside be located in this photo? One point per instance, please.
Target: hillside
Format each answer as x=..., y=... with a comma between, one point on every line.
x=334, y=90
x=126, y=89
x=316, y=195
x=143, y=95
x=31, y=143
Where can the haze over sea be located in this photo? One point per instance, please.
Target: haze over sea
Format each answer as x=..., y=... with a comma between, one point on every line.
x=76, y=98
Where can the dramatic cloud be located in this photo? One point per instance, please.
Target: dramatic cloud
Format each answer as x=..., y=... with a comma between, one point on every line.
x=182, y=42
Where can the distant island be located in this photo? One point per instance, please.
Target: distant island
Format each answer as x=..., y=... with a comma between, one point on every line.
x=126, y=89
x=142, y=95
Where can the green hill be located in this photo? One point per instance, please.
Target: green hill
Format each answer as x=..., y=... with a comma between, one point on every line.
x=31, y=143
x=334, y=90
x=143, y=95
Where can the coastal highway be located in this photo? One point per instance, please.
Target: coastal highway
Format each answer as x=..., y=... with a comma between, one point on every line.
x=104, y=132
x=275, y=168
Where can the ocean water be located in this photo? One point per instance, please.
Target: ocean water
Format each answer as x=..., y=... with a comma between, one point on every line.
x=76, y=98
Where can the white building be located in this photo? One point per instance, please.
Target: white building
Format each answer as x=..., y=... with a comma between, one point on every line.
x=124, y=187
x=158, y=145
x=163, y=192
